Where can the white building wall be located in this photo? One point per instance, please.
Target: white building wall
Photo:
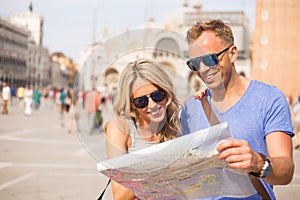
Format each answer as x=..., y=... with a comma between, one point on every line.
x=117, y=51
x=32, y=22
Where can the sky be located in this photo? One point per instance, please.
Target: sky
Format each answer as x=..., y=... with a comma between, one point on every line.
x=71, y=24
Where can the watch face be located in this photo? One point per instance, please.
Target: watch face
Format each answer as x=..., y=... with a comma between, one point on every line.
x=268, y=169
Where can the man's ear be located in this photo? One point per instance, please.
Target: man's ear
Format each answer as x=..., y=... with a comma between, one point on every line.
x=233, y=52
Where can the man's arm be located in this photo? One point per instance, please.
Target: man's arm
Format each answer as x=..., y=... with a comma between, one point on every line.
x=280, y=151
x=238, y=154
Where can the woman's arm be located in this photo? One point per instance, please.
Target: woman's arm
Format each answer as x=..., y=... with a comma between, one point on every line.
x=117, y=142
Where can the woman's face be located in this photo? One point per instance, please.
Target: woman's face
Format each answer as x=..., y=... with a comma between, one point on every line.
x=155, y=110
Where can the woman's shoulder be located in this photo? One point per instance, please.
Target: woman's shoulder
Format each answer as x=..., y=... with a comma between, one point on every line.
x=117, y=132
x=118, y=126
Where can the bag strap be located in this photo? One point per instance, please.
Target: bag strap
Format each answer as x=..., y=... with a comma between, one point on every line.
x=102, y=194
x=210, y=114
x=259, y=187
x=213, y=120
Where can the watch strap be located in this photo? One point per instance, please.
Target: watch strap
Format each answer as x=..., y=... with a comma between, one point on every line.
x=266, y=168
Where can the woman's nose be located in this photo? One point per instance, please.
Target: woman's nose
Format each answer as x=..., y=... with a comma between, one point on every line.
x=151, y=103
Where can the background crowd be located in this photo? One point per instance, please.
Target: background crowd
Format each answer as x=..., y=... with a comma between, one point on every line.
x=69, y=103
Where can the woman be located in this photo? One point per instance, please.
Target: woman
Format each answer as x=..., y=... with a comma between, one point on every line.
x=146, y=113
x=28, y=100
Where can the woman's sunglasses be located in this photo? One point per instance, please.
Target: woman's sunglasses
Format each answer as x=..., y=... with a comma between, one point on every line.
x=156, y=96
x=209, y=60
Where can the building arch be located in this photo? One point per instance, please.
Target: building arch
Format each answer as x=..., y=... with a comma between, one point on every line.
x=166, y=47
x=111, y=78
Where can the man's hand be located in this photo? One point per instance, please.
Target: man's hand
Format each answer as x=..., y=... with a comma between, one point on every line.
x=239, y=155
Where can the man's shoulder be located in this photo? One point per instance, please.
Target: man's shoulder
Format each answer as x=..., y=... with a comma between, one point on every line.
x=191, y=101
x=191, y=105
x=262, y=85
x=265, y=95
x=265, y=88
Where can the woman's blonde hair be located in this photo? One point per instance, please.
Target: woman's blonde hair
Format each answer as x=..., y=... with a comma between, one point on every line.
x=155, y=74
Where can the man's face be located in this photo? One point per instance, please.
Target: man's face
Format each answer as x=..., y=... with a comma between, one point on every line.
x=214, y=76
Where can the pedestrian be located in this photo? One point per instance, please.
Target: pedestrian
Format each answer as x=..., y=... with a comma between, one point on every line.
x=258, y=114
x=74, y=110
x=92, y=101
x=296, y=121
x=20, y=95
x=36, y=98
x=6, y=96
x=52, y=94
x=62, y=105
x=146, y=113
x=28, y=100
x=57, y=99
x=13, y=95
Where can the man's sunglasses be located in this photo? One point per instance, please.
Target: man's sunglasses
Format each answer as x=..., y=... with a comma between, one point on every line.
x=156, y=96
x=209, y=60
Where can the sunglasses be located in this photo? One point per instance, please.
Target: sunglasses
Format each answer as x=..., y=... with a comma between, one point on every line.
x=209, y=60
x=156, y=96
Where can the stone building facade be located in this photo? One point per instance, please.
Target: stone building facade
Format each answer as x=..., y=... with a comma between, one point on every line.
x=13, y=53
x=276, y=45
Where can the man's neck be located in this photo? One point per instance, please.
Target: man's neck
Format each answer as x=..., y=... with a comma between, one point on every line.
x=224, y=98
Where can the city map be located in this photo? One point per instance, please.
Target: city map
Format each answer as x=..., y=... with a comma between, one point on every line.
x=184, y=168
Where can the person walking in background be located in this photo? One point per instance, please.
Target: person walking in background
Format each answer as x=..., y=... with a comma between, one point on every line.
x=28, y=100
x=74, y=110
x=13, y=95
x=92, y=101
x=67, y=100
x=57, y=99
x=62, y=105
x=258, y=114
x=20, y=95
x=146, y=113
x=296, y=122
x=6, y=96
x=36, y=98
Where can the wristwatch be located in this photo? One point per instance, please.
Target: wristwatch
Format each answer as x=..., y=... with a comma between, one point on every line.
x=266, y=168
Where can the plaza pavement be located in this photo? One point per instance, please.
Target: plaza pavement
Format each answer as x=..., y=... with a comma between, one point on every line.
x=40, y=160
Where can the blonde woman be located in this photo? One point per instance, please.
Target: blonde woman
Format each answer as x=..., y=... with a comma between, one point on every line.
x=146, y=113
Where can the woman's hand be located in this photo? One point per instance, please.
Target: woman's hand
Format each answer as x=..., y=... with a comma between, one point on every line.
x=200, y=93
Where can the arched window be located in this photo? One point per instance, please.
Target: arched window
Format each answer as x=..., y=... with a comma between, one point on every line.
x=166, y=47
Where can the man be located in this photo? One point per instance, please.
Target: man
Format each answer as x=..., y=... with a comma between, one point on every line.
x=257, y=114
x=6, y=95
